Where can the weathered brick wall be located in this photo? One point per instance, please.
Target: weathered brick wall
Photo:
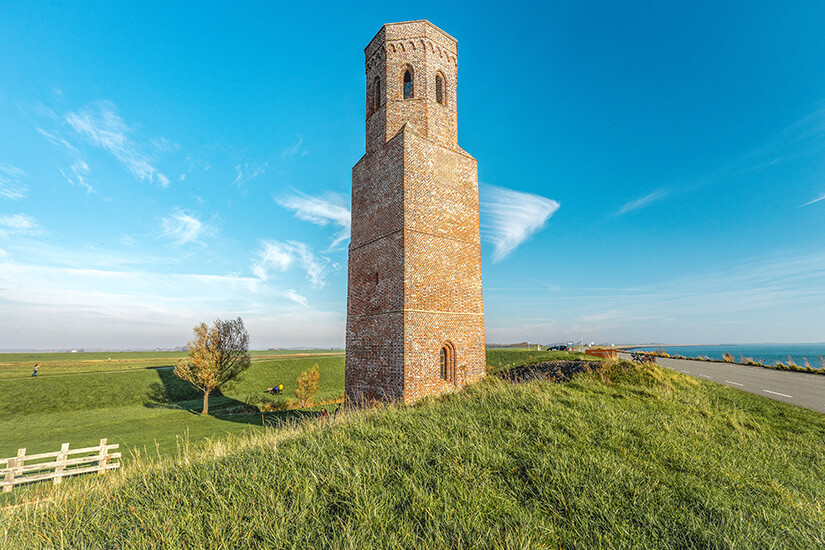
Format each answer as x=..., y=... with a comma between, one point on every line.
x=428, y=51
x=378, y=193
x=415, y=260
x=375, y=291
x=424, y=333
x=375, y=357
x=441, y=189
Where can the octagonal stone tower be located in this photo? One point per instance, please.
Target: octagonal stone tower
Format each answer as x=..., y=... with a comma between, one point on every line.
x=415, y=318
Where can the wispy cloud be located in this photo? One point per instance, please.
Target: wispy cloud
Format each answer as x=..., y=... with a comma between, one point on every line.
x=320, y=211
x=819, y=198
x=100, y=124
x=279, y=256
x=642, y=202
x=57, y=140
x=294, y=149
x=18, y=224
x=803, y=138
x=246, y=173
x=295, y=297
x=11, y=184
x=182, y=228
x=79, y=175
x=164, y=145
x=511, y=217
x=79, y=172
x=3, y=253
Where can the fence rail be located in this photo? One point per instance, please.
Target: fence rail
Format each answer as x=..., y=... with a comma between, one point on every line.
x=17, y=472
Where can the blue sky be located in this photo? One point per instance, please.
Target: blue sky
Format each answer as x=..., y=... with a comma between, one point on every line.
x=650, y=171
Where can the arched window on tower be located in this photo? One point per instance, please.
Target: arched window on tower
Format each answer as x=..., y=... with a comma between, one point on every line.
x=440, y=92
x=447, y=357
x=408, y=84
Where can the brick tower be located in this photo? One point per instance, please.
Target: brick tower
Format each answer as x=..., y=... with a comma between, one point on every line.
x=415, y=319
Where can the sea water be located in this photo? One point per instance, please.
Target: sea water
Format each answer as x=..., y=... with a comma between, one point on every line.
x=768, y=354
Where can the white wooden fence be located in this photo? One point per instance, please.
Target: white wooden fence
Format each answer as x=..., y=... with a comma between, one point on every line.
x=96, y=459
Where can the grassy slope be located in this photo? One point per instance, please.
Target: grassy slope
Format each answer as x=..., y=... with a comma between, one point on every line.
x=659, y=462
x=139, y=407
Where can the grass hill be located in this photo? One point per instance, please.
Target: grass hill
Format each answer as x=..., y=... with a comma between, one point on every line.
x=629, y=458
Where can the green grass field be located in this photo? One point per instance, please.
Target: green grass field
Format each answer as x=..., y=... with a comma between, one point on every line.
x=626, y=457
x=134, y=399
x=19, y=365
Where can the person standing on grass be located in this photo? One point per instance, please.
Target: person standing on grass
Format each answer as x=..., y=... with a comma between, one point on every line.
x=323, y=414
x=36, y=368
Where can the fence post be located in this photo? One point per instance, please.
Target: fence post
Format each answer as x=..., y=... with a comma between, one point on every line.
x=12, y=464
x=61, y=458
x=103, y=457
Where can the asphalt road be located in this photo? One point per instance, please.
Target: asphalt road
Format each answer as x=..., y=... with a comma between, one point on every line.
x=797, y=388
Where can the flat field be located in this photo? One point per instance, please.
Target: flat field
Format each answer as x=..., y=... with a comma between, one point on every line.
x=134, y=398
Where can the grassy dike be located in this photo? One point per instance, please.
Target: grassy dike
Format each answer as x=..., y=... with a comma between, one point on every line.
x=630, y=458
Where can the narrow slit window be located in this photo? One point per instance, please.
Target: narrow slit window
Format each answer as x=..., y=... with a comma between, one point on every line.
x=447, y=360
x=376, y=94
x=408, y=84
x=439, y=89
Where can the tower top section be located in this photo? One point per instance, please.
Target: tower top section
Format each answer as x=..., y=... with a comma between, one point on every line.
x=412, y=76
x=392, y=33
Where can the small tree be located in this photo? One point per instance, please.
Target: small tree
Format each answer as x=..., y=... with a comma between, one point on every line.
x=217, y=355
x=308, y=384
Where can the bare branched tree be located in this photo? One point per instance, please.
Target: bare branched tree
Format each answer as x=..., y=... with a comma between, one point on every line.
x=217, y=355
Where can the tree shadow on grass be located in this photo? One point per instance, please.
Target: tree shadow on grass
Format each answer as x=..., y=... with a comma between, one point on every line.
x=170, y=392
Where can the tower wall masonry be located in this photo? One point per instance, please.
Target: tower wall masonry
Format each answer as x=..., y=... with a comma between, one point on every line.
x=415, y=259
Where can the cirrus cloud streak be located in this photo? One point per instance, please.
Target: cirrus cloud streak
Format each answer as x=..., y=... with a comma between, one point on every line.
x=100, y=124
x=511, y=217
x=320, y=211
